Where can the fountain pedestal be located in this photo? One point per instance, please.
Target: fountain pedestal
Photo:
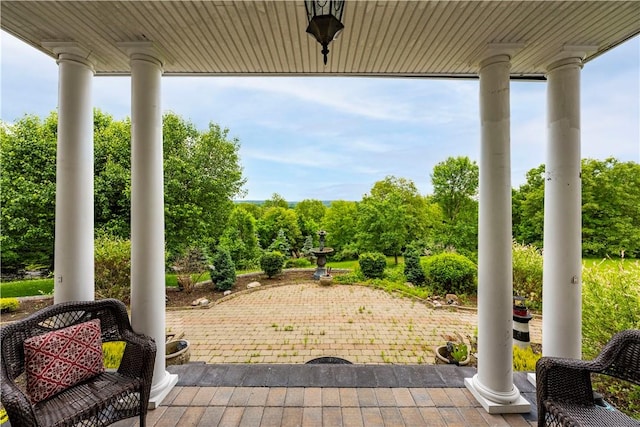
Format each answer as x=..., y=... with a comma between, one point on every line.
x=321, y=256
x=321, y=261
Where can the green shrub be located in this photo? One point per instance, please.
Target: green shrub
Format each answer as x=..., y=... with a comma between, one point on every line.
x=113, y=268
x=9, y=304
x=271, y=263
x=372, y=264
x=527, y=273
x=412, y=269
x=222, y=270
x=451, y=273
x=524, y=359
x=297, y=263
x=610, y=301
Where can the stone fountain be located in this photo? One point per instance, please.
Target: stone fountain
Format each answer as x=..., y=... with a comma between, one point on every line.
x=321, y=256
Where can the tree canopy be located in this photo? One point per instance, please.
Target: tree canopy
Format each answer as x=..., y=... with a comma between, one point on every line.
x=27, y=179
x=392, y=215
x=202, y=176
x=610, y=208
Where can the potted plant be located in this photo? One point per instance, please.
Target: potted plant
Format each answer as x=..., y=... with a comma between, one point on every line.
x=456, y=353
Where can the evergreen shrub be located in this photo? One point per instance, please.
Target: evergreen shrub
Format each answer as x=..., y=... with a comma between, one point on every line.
x=412, y=269
x=372, y=264
x=222, y=270
x=451, y=273
x=272, y=263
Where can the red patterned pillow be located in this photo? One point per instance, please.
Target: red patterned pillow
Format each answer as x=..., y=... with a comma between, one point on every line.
x=60, y=359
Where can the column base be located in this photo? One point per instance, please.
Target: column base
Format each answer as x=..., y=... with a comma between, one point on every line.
x=520, y=406
x=531, y=376
x=160, y=391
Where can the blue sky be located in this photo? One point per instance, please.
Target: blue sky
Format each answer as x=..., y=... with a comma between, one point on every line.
x=333, y=138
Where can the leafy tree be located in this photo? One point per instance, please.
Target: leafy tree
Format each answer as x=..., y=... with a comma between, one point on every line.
x=276, y=219
x=276, y=201
x=310, y=214
x=392, y=215
x=455, y=184
x=27, y=179
x=340, y=222
x=455, y=189
x=610, y=208
x=112, y=171
x=202, y=176
x=240, y=239
x=252, y=208
x=528, y=209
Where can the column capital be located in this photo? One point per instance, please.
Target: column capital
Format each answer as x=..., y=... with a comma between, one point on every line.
x=144, y=50
x=71, y=51
x=570, y=55
x=497, y=52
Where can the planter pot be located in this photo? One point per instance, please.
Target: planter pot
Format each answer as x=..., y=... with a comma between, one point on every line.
x=442, y=353
x=177, y=352
x=326, y=280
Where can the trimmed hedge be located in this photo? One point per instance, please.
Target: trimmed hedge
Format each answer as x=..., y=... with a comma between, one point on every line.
x=451, y=273
x=372, y=264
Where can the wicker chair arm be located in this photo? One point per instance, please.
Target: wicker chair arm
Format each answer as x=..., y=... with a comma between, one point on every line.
x=139, y=355
x=17, y=404
x=565, y=380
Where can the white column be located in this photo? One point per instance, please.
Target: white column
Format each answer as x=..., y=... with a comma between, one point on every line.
x=562, y=278
x=493, y=384
x=74, y=255
x=147, y=212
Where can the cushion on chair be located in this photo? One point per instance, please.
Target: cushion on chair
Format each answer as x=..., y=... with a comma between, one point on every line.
x=60, y=359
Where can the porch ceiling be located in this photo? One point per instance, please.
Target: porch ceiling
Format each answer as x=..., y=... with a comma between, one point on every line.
x=395, y=38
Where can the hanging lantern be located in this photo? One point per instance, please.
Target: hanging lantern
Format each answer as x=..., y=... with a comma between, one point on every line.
x=324, y=21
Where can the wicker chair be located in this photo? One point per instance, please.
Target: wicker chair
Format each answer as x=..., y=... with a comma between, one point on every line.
x=564, y=393
x=101, y=400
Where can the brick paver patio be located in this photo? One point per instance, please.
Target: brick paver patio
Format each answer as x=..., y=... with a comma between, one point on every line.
x=299, y=322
